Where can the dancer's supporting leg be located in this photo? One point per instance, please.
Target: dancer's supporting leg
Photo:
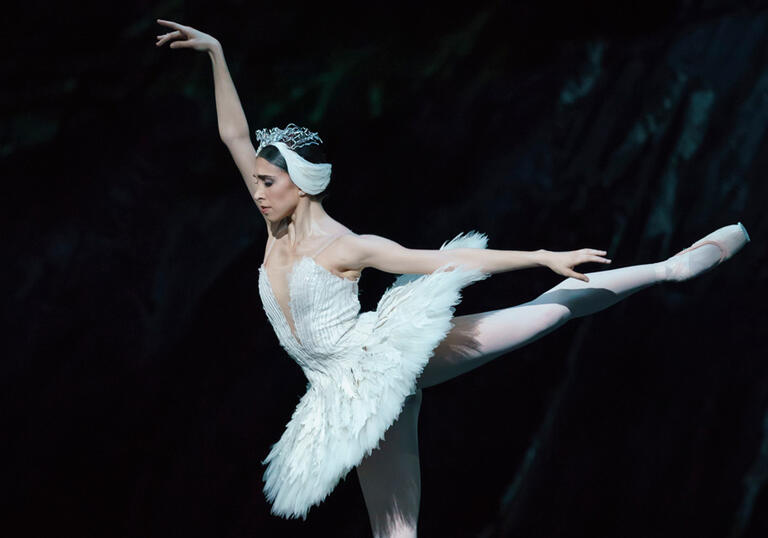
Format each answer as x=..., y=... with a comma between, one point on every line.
x=391, y=479
x=476, y=339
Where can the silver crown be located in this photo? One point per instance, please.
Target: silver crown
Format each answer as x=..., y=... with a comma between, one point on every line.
x=293, y=136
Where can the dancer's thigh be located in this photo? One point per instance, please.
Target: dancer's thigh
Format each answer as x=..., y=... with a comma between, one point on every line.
x=391, y=479
x=476, y=339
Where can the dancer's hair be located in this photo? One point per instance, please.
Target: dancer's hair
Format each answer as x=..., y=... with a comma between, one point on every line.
x=313, y=153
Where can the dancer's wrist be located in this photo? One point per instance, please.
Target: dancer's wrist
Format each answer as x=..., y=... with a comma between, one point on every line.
x=215, y=49
x=542, y=257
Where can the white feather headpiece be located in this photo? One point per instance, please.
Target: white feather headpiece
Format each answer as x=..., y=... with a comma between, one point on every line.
x=310, y=177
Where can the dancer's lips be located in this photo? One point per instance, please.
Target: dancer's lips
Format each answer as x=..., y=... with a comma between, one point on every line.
x=264, y=208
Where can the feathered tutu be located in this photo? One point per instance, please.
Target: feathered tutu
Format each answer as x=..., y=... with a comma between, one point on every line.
x=360, y=390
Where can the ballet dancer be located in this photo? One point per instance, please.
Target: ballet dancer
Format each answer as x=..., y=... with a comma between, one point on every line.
x=366, y=372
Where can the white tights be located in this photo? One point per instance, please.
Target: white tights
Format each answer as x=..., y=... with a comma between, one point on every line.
x=390, y=476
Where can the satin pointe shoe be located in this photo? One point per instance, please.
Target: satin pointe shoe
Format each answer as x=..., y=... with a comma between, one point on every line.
x=688, y=263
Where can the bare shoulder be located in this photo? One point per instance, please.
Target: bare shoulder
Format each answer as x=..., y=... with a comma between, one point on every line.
x=346, y=250
x=342, y=255
x=360, y=243
x=365, y=242
x=386, y=255
x=359, y=251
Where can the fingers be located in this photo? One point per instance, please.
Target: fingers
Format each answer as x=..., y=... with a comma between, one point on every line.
x=181, y=31
x=579, y=276
x=594, y=255
x=169, y=23
x=165, y=37
x=587, y=259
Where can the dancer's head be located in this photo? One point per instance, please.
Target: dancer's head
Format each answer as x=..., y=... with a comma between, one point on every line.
x=291, y=168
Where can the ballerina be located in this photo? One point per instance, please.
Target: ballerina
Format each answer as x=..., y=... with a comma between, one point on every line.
x=366, y=371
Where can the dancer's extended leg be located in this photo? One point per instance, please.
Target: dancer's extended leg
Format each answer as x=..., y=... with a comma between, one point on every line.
x=391, y=479
x=476, y=339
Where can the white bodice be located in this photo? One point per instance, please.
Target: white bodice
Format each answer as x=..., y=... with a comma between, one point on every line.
x=324, y=309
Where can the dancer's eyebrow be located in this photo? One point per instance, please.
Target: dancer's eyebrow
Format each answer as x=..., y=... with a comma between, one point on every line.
x=264, y=176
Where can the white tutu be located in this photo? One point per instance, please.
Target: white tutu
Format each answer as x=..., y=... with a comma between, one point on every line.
x=360, y=369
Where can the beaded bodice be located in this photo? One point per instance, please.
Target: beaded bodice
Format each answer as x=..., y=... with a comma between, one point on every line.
x=321, y=309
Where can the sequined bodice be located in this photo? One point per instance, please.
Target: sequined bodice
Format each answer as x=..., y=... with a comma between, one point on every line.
x=323, y=307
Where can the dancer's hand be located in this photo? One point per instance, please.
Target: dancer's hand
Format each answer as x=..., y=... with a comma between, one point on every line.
x=562, y=263
x=188, y=37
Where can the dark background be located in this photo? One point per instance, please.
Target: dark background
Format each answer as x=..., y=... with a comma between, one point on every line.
x=141, y=381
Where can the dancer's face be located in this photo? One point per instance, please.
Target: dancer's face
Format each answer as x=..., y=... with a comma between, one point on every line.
x=275, y=190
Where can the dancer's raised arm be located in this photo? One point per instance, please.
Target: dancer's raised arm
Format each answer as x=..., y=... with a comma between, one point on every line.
x=387, y=255
x=233, y=127
x=232, y=122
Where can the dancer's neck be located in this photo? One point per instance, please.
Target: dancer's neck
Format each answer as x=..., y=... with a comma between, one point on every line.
x=308, y=219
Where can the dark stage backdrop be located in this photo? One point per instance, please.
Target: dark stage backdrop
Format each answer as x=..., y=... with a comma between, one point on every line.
x=141, y=381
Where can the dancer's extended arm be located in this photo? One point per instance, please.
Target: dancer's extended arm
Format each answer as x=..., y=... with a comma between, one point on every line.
x=389, y=256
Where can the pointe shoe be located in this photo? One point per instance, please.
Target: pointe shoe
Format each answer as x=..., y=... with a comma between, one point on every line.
x=729, y=239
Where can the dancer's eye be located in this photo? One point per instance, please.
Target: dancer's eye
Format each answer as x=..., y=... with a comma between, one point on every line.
x=265, y=179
